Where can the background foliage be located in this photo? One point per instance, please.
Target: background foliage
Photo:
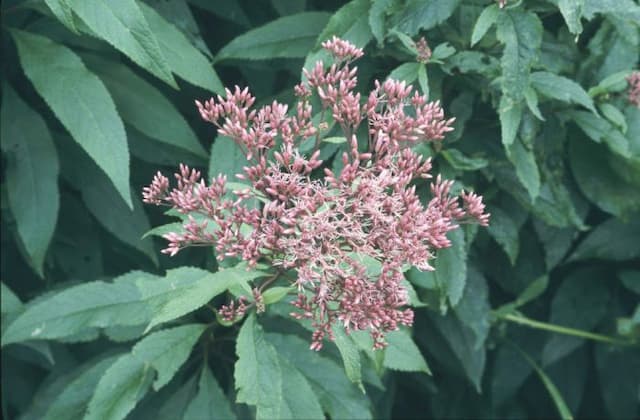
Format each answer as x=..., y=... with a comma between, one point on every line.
x=535, y=316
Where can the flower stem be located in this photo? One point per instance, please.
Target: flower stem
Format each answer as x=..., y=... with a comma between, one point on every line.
x=518, y=319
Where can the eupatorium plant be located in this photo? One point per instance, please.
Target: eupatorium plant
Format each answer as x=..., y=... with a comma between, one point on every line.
x=328, y=228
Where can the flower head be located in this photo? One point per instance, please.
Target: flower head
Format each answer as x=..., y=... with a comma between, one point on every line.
x=347, y=234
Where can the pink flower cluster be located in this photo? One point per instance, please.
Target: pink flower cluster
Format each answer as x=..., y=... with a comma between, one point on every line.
x=347, y=235
x=634, y=88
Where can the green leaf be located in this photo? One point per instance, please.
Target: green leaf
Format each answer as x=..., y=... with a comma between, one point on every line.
x=526, y=167
x=335, y=140
x=407, y=72
x=563, y=410
x=562, y=89
x=510, y=113
x=349, y=22
x=614, y=115
x=163, y=229
x=611, y=84
x=167, y=350
x=533, y=290
x=121, y=387
x=423, y=79
x=630, y=279
x=63, y=12
x=580, y=302
x=473, y=309
x=210, y=402
x=31, y=173
x=226, y=158
x=132, y=299
x=72, y=401
x=403, y=354
x=9, y=302
x=521, y=32
x=594, y=169
x=275, y=294
x=505, y=231
x=122, y=24
x=299, y=400
x=132, y=95
x=425, y=14
x=350, y=355
x=572, y=12
x=80, y=101
x=182, y=57
x=287, y=37
x=258, y=374
x=600, y=130
x=451, y=267
x=599, y=244
x=619, y=378
x=338, y=396
x=102, y=200
x=531, y=97
x=378, y=13
x=442, y=51
x=485, y=21
x=465, y=163
x=201, y=287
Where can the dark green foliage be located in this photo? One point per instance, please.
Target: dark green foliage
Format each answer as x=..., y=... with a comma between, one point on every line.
x=536, y=316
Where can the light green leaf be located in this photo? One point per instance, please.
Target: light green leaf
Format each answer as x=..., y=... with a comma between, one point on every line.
x=614, y=115
x=72, y=401
x=465, y=163
x=226, y=158
x=9, y=302
x=349, y=22
x=350, y=355
x=377, y=18
x=451, y=267
x=561, y=88
x=580, y=302
x=442, y=51
x=572, y=13
x=287, y=37
x=62, y=10
x=423, y=79
x=31, y=175
x=258, y=374
x=425, y=14
x=182, y=57
x=407, y=72
x=485, y=21
x=340, y=398
x=275, y=294
x=510, y=116
x=600, y=130
x=526, y=168
x=521, y=32
x=122, y=24
x=210, y=402
x=80, y=101
x=121, y=387
x=613, y=83
x=403, y=354
x=133, y=299
x=167, y=350
x=203, y=286
x=163, y=229
x=335, y=140
x=132, y=95
x=505, y=231
x=599, y=244
x=531, y=97
x=299, y=399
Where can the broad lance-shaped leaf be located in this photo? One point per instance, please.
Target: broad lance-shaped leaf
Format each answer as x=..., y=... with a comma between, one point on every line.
x=80, y=101
x=62, y=10
x=598, y=244
x=561, y=88
x=526, y=167
x=521, y=33
x=72, y=402
x=403, y=354
x=572, y=13
x=132, y=95
x=451, y=267
x=257, y=374
x=580, y=302
x=122, y=24
x=425, y=14
x=600, y=130
x=129, y=378
x=340, y=398
x=485, y=21
x=349, y=22
x=102, y=200
x=504, y=230
x=473, y=310
x=287, y=37
x=350, y=355
x=210, y=402
x=31, y=175
x=182, y=57
x=133, y=299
